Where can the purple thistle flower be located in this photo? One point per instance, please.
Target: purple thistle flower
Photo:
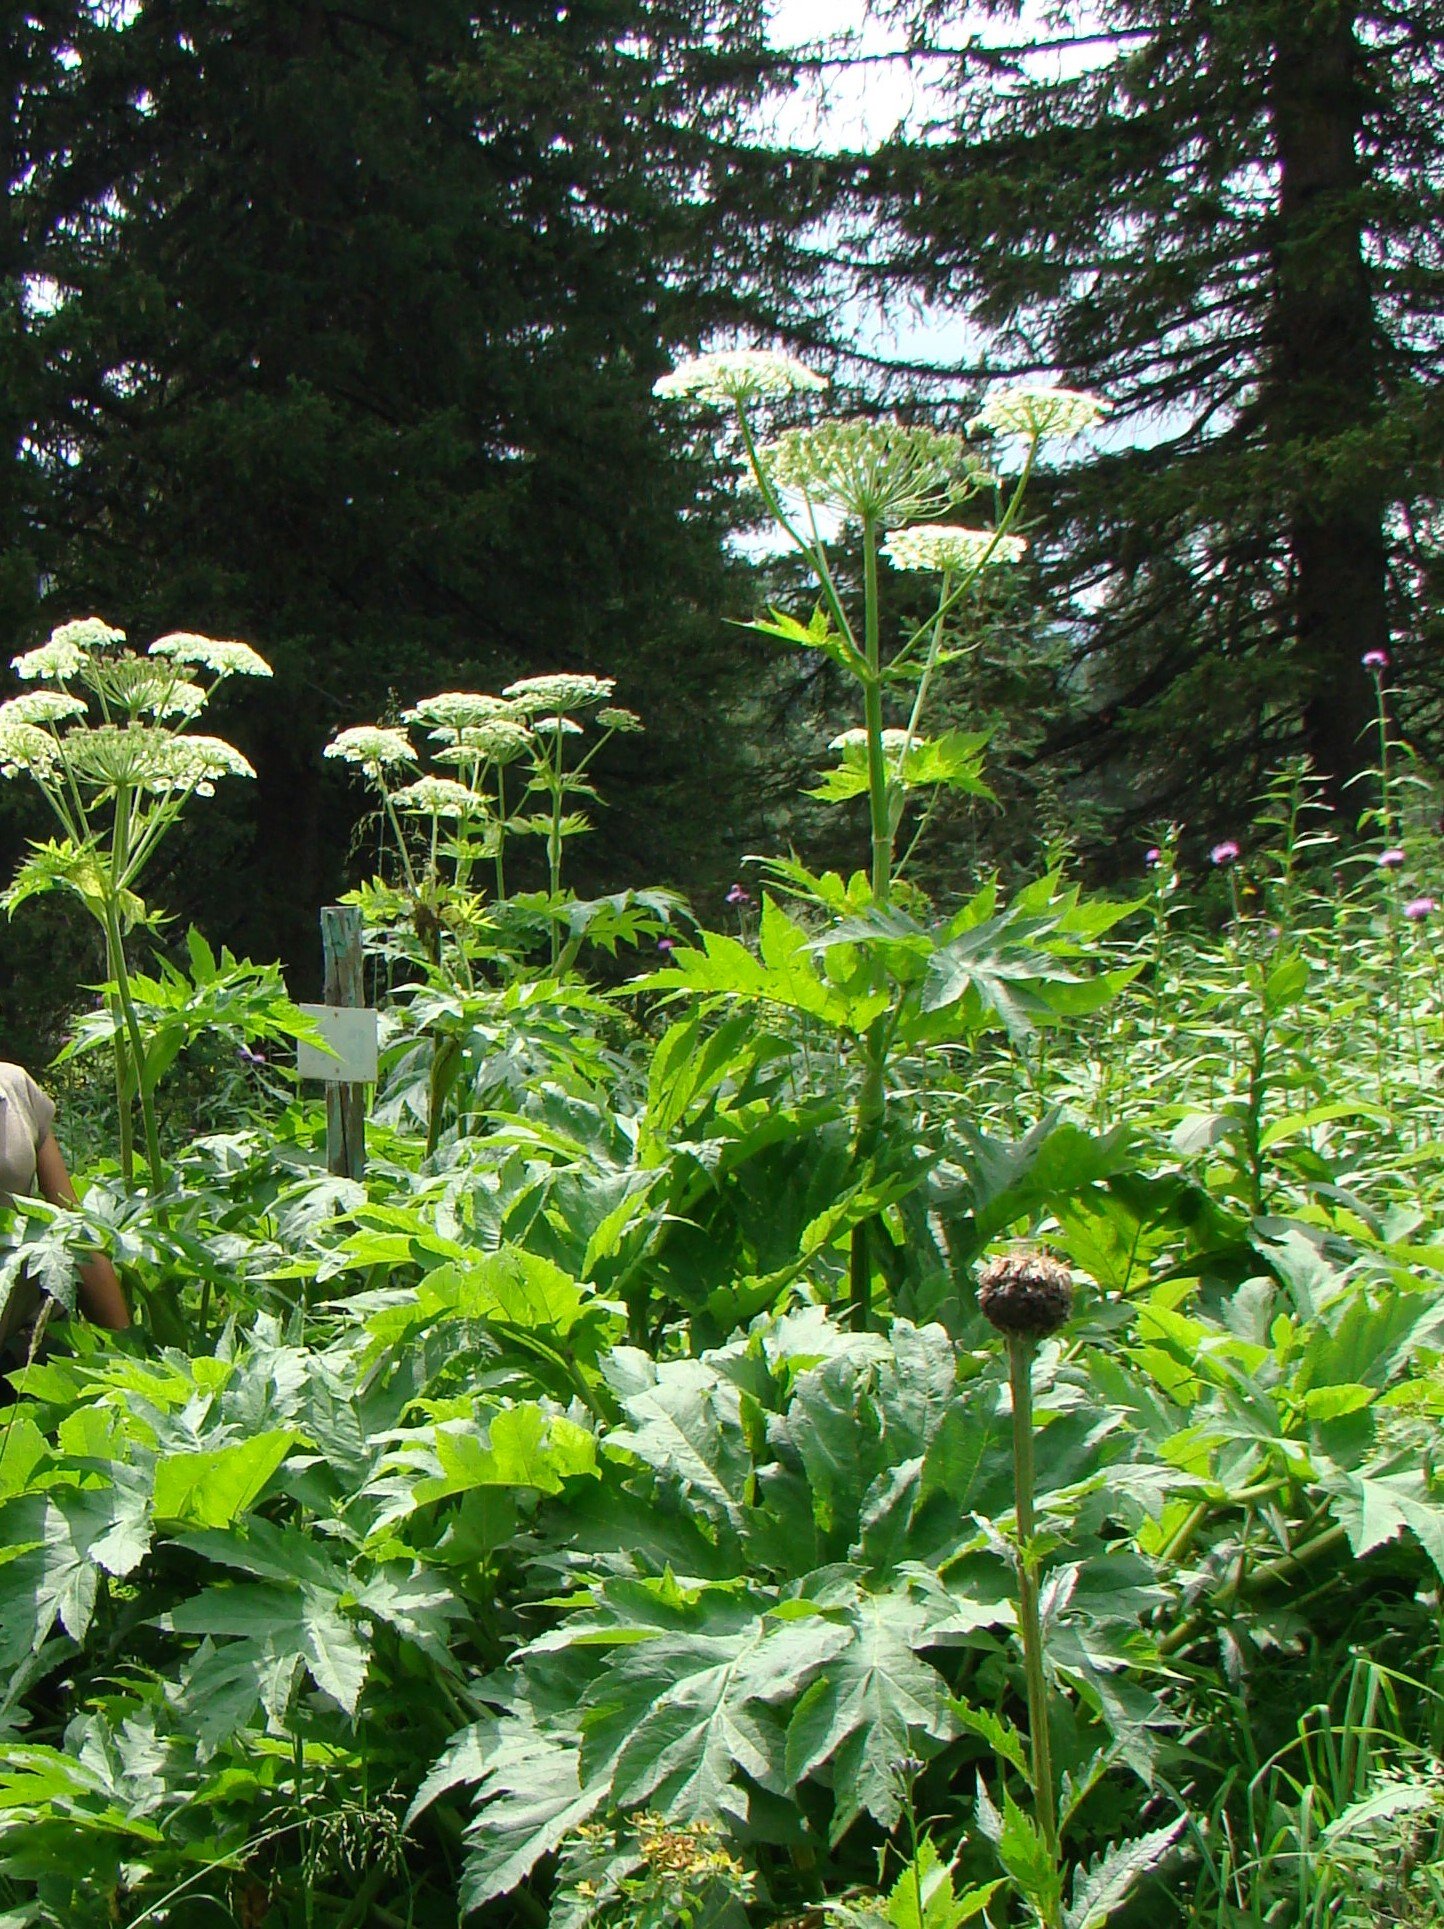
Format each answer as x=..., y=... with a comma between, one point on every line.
x=1391, y=859
x=1418, y=909
x=1151, y=856
x=738, y=896
x=666, y=946
x=1375, y=659
x=1224, y=853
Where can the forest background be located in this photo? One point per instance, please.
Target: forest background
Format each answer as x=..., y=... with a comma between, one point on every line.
x=334, y=326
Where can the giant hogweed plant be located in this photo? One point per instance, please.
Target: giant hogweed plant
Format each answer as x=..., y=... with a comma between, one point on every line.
x=451, y=834
x=888, y=981
x=104, y=734
x=516, y=766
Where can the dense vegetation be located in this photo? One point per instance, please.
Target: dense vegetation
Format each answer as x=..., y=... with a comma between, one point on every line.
x=620, y=1507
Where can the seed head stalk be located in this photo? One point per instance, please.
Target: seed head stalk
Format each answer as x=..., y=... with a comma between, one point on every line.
x=1387, y=827
x=1025, y=1295
x=1021, y=1349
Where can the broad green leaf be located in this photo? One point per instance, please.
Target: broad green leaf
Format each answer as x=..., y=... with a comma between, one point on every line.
x=213, y=1486
x=275, y=1630
x=873, y=1704
x=687, y=1427
x=529, y=1799
x=1373, y=1508
x=49, y=1571
x=525, y=1446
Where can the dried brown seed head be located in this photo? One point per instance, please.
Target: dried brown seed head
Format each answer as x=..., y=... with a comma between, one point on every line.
x=1026, y=1293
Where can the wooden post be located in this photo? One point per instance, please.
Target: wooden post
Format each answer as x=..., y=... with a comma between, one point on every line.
x=345, y=1104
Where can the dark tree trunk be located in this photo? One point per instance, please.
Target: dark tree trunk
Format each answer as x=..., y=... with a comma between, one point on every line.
x=1324, y=380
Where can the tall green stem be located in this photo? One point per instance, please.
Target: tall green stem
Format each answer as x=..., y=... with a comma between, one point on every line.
x=120, y=974
x=1386, y=800
x=877, y=779
x=1020, y=1376
x=554, y=844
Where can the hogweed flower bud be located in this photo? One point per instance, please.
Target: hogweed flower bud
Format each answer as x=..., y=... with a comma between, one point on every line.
x=1026, y=1294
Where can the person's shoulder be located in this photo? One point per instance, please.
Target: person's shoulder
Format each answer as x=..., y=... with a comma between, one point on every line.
x=19, y=1088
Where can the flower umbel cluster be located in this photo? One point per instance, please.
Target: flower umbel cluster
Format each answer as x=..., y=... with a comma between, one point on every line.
x=477, y=738
x=1036, y=410
x=53, y=736
x=371, y=747
x=884, y=471
x=739, y=375
x=107, y=747
x=943, y=547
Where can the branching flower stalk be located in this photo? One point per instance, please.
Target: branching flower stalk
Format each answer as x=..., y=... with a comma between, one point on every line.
x=116, y=786
x=882, y=477
x=479, y=736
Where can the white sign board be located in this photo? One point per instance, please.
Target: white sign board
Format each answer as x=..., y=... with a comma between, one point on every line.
x=350, y=1031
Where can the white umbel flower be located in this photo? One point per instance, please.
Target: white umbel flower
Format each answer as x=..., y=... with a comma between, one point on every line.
x=458, y=710
x=739, y=375
x=192, y=764
x=1037, y=410
x=557, y=727
x=220, y=655
x=69, y=648
x=57, y=662
x=887, y=472
x=25, y=749
x=88, y=633
x=562, y=690
x=371, y=747
x=40, y=706
x=500, y=741
x=436, y=797
x=851, y=742
x=178, y=699
x=945, y=546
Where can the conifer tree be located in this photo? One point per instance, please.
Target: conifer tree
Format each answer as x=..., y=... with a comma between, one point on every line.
x=357, y=314
x=1224, y=216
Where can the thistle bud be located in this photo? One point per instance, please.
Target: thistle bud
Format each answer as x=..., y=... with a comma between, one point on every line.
x=1026, y=1293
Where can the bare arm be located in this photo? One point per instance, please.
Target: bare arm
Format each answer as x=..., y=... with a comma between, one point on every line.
x=101, y=1295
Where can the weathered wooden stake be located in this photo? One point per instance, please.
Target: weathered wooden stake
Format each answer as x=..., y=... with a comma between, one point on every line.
x=345, y=1104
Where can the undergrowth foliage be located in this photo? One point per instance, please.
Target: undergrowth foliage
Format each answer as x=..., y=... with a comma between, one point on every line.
x=619, y=1508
